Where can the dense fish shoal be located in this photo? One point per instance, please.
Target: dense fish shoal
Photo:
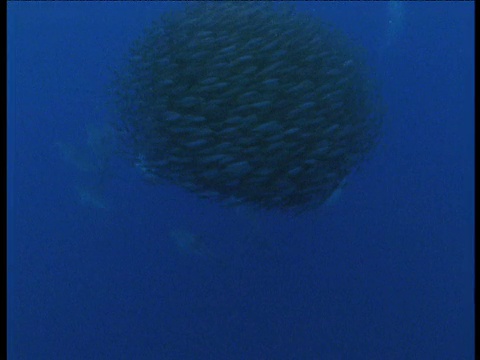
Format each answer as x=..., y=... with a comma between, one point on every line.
x=247, y=103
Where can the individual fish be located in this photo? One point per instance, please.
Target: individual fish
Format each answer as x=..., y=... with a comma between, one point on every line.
x=268, y=127
x=196, y=143
x=188, y=101
x=270, y=82
x=171, y=116
x=239, y=168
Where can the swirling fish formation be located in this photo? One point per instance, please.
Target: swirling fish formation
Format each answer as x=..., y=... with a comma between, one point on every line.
x=247, y=103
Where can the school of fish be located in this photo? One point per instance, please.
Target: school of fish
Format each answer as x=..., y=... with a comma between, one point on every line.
x=247, y=103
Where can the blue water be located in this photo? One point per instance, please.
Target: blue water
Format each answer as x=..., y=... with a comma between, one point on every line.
x=385, y=272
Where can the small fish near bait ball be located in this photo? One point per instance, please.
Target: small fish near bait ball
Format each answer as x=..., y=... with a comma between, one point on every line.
x=247, y=103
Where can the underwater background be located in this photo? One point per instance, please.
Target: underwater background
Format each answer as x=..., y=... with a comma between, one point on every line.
x=102, y=265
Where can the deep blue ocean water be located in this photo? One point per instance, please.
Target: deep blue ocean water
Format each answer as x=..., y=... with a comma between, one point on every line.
x=94, y=272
